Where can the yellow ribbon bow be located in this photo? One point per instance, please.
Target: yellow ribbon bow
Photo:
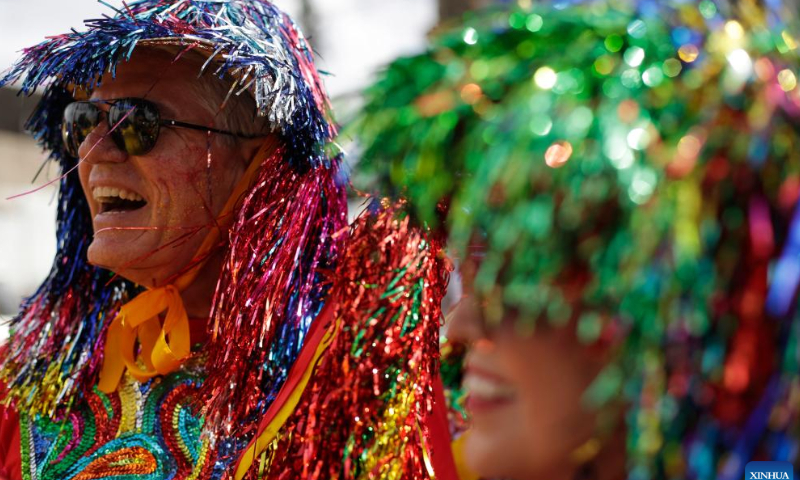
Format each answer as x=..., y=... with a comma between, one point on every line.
x=164, y=347
x=139, y=320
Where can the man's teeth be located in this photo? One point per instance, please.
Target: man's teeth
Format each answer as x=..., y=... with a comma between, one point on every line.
x=102, y=194
x=486, y=388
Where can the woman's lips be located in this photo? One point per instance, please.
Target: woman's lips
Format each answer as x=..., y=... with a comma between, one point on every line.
x=486, y=391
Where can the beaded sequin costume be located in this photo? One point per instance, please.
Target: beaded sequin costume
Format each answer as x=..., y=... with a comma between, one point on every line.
x=150, y=430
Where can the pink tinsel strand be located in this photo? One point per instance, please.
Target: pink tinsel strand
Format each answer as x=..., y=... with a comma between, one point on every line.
x=282, y=231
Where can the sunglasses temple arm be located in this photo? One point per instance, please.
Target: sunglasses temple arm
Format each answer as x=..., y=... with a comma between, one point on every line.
x=175, y=123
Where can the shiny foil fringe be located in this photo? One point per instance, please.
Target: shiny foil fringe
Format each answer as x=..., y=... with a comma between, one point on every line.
x=274, y=281
x=363, y=414
x=251, y=41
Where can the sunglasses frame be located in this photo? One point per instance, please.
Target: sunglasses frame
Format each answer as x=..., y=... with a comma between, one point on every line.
x=71, y=145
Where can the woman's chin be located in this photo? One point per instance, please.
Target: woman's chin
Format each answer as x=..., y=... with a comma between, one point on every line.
x=491, y=454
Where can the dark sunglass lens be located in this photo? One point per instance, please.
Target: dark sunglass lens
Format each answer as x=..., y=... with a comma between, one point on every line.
x=135, y=125
x=80, y=118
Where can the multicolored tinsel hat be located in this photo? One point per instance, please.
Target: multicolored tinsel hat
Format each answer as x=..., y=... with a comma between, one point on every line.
x=251, y=41
x=652, y=159
x=276, y=262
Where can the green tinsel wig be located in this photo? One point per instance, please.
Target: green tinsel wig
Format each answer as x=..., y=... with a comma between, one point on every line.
x=654, y=156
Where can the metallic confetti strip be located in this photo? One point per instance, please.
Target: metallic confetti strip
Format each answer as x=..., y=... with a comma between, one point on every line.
x=365, y=412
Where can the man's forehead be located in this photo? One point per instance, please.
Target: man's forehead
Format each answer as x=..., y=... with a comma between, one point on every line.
x=157, y=75
x=150, y=70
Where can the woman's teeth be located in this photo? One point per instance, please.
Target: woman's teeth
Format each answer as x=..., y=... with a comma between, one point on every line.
x=110, y=194
x=486, y=388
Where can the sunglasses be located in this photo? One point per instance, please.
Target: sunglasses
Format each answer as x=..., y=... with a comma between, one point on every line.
x=133, y=124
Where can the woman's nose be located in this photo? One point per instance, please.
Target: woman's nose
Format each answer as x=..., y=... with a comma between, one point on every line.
x=464, y=323
x=99, y=147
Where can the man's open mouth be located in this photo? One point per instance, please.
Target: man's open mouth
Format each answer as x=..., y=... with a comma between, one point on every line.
x=117, y=200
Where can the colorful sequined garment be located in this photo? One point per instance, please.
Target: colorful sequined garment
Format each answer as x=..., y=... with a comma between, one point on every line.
x=146, y=430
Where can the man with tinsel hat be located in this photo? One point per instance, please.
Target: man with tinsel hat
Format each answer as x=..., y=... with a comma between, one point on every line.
x=209, y=313
x=620, y=188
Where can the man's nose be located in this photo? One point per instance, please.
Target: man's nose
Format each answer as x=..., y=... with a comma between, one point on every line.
x=99, y=147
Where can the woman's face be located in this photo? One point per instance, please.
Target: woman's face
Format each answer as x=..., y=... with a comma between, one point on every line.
x=524, y=395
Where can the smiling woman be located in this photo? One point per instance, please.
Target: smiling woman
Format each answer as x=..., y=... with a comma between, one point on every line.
x=619, y=182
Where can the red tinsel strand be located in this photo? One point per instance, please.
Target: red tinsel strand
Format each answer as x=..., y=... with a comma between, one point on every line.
x=365, y=407
x=270, y=289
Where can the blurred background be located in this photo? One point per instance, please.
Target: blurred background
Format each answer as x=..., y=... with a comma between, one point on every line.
x=353, y=38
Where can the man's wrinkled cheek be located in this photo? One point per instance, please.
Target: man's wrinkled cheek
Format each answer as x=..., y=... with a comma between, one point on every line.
x=83, y=177
x=197, y=181
x=192, y=167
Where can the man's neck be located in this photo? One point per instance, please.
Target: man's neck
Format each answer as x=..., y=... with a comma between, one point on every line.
x=198, y=296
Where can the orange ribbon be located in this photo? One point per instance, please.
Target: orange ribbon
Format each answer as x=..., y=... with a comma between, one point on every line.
x=139, y=320
x=319, y=337
x=164, y=347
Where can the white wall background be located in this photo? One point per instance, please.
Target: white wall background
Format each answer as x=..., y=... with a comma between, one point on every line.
x=353, y=38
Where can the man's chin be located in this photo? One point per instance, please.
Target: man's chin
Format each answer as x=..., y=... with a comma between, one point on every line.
x=140, y=267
